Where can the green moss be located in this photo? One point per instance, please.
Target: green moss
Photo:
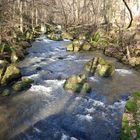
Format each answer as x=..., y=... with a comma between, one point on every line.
x=86, y=47
x=24, y=84
x=124, y=122
x=78, y=84
x=27, y=80
x=106, y=70
x=3, y=65
x=6, y=92
x=86, y=88
x=12, y=73
x=14, y=57
x=70, y=47
x=131, y=106
x=29, y=35
x=91, y=65
x=102, y=61
x=131, y=121
x=66, y=35
x=55, y=37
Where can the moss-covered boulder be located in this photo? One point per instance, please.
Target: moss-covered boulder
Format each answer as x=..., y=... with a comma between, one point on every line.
x=86, y=46
x=29, y=35
x=78, y=84
x=5, y=92
x=11, y=73
x=3, y=65
x=105, y=69
x=14, y=56
x=78, y=45
x=66, y=35
x=70, y=47
x=55, y=37
x=91, y=65
x=74, y=46
x=23, y=84
x=130, y=129
x=100, y=66
x=82, y=37
x=49, y=28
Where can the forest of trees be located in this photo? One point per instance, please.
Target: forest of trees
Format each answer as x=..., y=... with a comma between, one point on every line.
x=31, y=13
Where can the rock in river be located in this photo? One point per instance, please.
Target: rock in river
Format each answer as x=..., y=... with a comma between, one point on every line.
x=66, y=35
x=100, y=66
x=11, y=73
x=23, y=84
x=78, y=84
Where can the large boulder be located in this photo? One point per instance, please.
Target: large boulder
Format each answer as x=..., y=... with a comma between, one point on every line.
x=74, y=46
x=23, y=84
x=100, y=66
x=70, y=47
x=78, y=45
x=11, y=73
x=78, y=84
x=86, y=46
x=66, y=35
x=130, y=129
x=105, y=68
x=55, y=37
x=91, y=65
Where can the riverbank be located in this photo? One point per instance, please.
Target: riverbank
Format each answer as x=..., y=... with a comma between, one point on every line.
x=11, y=80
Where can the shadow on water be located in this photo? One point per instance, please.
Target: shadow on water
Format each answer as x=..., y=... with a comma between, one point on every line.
x=67, y=124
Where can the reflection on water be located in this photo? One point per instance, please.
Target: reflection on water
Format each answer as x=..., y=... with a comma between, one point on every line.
x=47, y=112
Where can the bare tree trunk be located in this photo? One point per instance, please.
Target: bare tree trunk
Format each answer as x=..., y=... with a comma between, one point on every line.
x=64, y=13
x=32, y=14
x=36, y=16
x=21, y=16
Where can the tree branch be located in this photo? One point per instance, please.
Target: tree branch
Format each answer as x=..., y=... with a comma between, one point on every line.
x=129, y=10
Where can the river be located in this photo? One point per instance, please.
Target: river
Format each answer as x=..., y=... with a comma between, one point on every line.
x=47, y=112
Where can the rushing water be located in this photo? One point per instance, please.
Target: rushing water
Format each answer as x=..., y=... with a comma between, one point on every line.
x=47, y=112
